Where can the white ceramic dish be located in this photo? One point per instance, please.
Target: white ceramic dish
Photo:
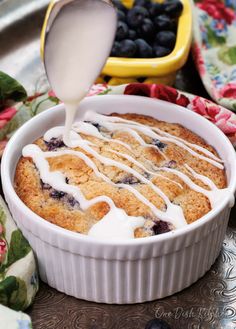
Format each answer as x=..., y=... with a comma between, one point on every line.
x=129, y=271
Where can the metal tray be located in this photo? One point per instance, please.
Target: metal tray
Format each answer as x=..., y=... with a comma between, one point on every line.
x=210, y=303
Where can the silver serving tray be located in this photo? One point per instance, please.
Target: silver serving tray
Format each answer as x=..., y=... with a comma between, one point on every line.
x=208, y=304
x=20, y=28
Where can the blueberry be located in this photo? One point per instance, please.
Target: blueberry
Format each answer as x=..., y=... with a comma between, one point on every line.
x=119, y=5
x=146, y=175
x=72, y=202
x=136, y=16
x=146, y=30
x=156, y=9
x=160, y=51
x=171, y=164
x=132, y=35
x=44, y=185
x=115, y=51
x=157, y=324
x=121, y=16
x=173, y=8
x=95, y=124
x=129, y=179
x=163, y=22
x=144, y=49
x=166, y=39
x=54, y=143
x=57, y=194
x=159, y=144
x=122, y=31
x=142, y=3
x=128, y=48
x=160, y=227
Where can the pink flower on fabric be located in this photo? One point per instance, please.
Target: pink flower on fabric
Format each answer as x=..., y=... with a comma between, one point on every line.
x=199, y=61
x=204, y=107
x=3, y=249
x=52, y=94
x=221, y=117
x=6, y=115
x=217, y=10
x=97, y=89
x=162, y=92
x=229, y=91
x=226, y=121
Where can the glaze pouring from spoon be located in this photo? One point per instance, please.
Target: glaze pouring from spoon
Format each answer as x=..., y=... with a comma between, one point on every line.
x=78, y=39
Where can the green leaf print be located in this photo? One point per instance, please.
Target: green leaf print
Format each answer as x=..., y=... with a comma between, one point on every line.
x=19, y=247
x=10, y=89
x=234, y=106
x=227, y=55
x=13, y=293
x=2, y=217
x=213, y=39
x=213, y=69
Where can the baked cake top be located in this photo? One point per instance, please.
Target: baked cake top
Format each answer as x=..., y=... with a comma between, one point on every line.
x=124, y=176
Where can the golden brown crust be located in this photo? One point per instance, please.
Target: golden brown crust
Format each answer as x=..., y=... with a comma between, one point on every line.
x=65, y=213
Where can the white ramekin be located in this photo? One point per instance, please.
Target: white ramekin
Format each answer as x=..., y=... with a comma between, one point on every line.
x=129, y=271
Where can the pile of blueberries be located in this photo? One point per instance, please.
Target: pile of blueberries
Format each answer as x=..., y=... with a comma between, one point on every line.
x=147, y=30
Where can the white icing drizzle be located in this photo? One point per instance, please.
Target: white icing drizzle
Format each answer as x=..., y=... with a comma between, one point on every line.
x=116, y=226
x=135, y=135
x=207, y=181
x=214, y=195
x=116, y=223
x=177, y=221
x=124, y=224
x=57, y=132
x=138, y=164
x=149, y=132
x=88, y=129
x=198, y=147
x=70, y=116
x=111, y=162
x=57, y=180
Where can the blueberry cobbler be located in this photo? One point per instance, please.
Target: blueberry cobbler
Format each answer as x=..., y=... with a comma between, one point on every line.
x=124, y=175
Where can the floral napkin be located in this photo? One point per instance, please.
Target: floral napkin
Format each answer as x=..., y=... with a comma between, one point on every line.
x=214, y=48
x=18, y=276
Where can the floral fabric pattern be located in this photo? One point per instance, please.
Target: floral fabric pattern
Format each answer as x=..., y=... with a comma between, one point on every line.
x=6, y=116
x=17, y=265
x=214, y=48
x=222, y=117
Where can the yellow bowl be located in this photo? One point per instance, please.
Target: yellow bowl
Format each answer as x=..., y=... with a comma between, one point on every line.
x=162, y=69
x=152, y=70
